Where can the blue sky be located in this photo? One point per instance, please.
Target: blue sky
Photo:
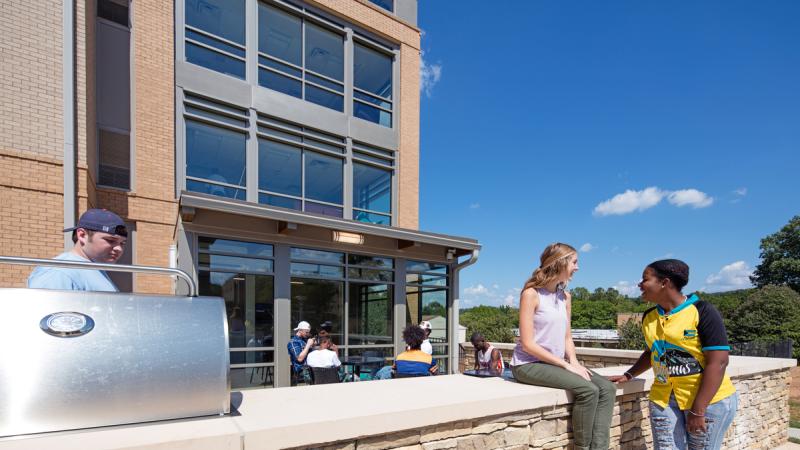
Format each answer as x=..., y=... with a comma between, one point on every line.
x=636, y=130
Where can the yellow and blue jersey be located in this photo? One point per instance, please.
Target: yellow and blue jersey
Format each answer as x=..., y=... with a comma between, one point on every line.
x=677, y=341
x=414, y=362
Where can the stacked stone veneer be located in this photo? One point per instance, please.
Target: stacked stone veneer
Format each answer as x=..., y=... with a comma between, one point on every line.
x=761, y=423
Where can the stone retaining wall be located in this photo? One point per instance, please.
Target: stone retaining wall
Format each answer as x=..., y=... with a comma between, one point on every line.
x=761, y=423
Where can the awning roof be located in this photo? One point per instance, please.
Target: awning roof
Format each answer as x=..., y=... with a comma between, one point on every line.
x=215, y=203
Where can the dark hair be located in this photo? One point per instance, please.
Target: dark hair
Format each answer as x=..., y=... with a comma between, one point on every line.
x=89, y=233
x=674, y=269
x=476, y=336
x=323, y=339
x=413, y=335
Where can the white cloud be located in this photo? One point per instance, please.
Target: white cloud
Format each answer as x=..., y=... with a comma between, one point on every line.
x=628, y=288
x=691, y=197
x=474, y=205
x=742, y=191
x=587, y=247
x=476, y=290
x=479, y=294
x=731, y=277
x=429, y=75
x=630, y=201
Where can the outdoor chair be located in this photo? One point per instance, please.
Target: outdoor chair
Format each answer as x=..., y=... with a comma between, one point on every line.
x=324, y=375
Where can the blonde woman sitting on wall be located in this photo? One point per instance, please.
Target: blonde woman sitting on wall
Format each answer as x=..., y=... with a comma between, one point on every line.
x=545, y=353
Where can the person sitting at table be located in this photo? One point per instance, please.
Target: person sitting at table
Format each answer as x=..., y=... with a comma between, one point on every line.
x=324, y=356
x=325, y=329
x=299, y=347
x=414, y=362
x=486, y=356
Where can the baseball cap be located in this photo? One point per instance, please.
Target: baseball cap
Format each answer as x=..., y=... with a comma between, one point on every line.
x=303, y=325
x=101, y=220
x=425, y=325
x=327, y=325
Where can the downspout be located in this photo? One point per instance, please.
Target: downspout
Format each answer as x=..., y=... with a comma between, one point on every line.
x=68, y=110
x=454, y=346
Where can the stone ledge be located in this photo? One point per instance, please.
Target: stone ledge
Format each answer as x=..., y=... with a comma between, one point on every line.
x=296, y=417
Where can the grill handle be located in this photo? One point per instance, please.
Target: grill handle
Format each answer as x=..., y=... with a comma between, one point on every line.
x=100, y=266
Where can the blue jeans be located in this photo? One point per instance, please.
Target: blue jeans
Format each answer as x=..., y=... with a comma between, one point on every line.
x=669, y=425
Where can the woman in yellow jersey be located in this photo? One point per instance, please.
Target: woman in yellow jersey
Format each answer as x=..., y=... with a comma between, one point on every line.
x=692, y=401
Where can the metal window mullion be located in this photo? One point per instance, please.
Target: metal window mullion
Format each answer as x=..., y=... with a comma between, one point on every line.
x=218, y=38
x=213, y=110
x=379, y=97
x=348, y=180
x=346, y=330
x=372, y=211
x=206, y=120
x=348, y=74
x=276, y=59
x=216, y=183
x=333, y=91
x=372, y=105
x=283, y=74
x=303, y=179
x=217, y=50
x=251, y=158
x=373, y=163
x=326, y=151
x=294, y=197
x=399, y=305
x=325, y=77
x=303, y=56
x=252, y=349
x=369, y=152
x=251, y=365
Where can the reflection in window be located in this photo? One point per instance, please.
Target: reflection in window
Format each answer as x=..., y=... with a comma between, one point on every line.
x=372, y=194
x=215, y=160
x=372, y=85
x=427, y=299
x=215, y=35
x=318, y=301
x=371, y=311
x=282, y=169
x=316, y=76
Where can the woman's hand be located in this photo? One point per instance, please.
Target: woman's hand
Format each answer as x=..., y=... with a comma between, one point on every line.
x=695, y=424
x=617, y=379
x=579, y=370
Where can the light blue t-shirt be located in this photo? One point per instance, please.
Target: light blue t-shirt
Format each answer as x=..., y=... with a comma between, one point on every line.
x=71, y=279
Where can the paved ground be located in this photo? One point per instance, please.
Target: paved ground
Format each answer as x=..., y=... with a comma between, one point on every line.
x=794, y=433
x=789, y=446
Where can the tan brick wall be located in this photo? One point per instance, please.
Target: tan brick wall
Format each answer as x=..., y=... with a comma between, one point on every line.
x=31, y=133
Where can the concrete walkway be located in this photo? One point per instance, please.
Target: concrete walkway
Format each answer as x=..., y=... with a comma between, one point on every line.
x=794, y=433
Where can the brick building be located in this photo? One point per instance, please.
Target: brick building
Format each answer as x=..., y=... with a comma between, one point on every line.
x=270, y=148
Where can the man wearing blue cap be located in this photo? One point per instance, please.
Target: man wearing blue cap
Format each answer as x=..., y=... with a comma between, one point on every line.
x=100, y=237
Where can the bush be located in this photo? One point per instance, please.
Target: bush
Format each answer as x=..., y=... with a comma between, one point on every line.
x=631, y=336
x=769, y=314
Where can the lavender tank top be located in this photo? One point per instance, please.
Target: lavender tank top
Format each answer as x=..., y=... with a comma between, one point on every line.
x=550, y=327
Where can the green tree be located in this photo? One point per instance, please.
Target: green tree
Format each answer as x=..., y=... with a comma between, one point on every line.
x=780, y=258
x=769, y=314
x=495, y=323
x=631, y=336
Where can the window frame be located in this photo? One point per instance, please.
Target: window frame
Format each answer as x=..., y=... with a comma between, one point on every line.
x=186, y=40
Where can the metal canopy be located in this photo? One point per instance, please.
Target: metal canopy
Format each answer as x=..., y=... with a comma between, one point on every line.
x=193, y=200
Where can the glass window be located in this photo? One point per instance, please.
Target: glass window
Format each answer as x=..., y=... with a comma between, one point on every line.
x=219, y=44
x=427, y=303
x=317, y=255
x=372, y=188
x=318, y=301
x=370, y=261
x=323, y=177
x=216, y=155
x=281, y=44
x=283, y=202
x=279, y=168
x=225, y=262
x=249, y=304
x=372, y=94
x=113, y=10
x=371, y=311
x=115, y=159
x=216, y=245
x=368, y=217
x=372, y=71
x=316, y=270
x=279, y=34
x=324, y=52
x=385, y=4
x=419, y=266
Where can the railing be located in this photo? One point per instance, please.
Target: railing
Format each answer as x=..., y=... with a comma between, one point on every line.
x=775, y=349
x=18, y=260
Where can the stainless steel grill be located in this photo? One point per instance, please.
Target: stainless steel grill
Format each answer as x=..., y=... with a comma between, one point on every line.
x=72, y=359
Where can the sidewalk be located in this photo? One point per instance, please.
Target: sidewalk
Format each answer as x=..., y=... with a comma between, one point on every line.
x=794, y=433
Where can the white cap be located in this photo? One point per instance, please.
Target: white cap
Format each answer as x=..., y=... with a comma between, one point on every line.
x=425, y=325
x=303, y=325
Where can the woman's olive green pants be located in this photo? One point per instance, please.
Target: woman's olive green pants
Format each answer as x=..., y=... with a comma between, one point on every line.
x=593, y=401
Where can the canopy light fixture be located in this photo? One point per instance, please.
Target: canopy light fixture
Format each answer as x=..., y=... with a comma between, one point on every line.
x=348, y=238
